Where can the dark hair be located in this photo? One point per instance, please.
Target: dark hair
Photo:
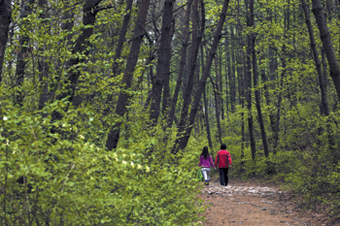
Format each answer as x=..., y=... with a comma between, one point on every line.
x=223, y=146
x=205, y=152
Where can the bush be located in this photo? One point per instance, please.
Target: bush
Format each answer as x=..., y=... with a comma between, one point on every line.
x=68, y=177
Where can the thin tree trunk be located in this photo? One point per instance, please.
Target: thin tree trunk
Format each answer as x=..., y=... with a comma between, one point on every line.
x=218, y=102
x=113, y=136
x=250, y=23
x=121, y=39
x=324, y=102
x=206, y=104
x=182, y=141
x=279, y=101
x=324, y=109
x=5, y=18
x=81, y=46
x=196, y=40
x=327, y=44
x=166, y=103
x=221, y=85
x=43, y=68
x=228, y=72
x=182, y=65
x=116, y=70
x=23, y=52
x=163, y=64
x=240, y=83
x=258, y=101
x=232, y=80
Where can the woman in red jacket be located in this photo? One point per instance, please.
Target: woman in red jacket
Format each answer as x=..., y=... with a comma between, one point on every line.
x=223, y=161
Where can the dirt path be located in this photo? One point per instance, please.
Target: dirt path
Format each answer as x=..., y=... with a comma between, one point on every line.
x=254, y=204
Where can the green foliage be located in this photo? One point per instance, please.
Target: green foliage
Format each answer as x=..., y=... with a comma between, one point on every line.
x=70, y=179
x=58, y=172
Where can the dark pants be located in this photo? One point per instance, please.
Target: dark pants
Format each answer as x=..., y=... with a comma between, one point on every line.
x=224, y=176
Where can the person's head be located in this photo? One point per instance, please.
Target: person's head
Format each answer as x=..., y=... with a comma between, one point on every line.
x=223, y=146
x=205, y=152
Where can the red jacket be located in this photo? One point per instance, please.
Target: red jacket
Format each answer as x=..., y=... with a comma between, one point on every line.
x=223, y=159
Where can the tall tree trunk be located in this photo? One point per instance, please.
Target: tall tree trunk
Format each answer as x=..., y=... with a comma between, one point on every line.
x=118, y=52
x=324, y=102
x=196, y=40
x=182, y=64
x=5, y=18
x=324, y=109
x=258, y=101
x=113, y=136
x=232, y=80
x=80, y=47
x=206, y=109
x=121, y=39
x=163, y=63
x=240, y=77
x=22, y=55
x=166, y=90
x=184, y=133
x=279, y=101
x=221, y=85
x=218, y=101
x=228, y=71
x=327, y=44
x=250, y=23
x=43, y=68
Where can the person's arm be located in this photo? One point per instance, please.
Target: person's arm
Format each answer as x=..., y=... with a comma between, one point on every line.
x=212, y=162
x=230, y=162
x=199, y=164
x=216, y=159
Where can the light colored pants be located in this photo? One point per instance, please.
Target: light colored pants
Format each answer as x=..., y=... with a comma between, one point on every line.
x=206, y=173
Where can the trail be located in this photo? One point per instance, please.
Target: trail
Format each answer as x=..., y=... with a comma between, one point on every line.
x=252, y=204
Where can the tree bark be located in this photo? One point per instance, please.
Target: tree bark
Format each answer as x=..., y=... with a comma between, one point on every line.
x=43, y=67
x=5, y=18
x=327, y=44
x=218, y=102
x=23, y=52
x=163, y=64
x=250, y=23
x=221, y=85
x=232, y=82
x=113, y=136
x=196, y=40
x=121, y=39
x=206, y=109
x=81, y=46
x=324, y=109
x=184, y=133
x=182, y=65
x=324, y=102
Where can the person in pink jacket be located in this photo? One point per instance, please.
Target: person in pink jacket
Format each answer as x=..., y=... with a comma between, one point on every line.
x=205, y=163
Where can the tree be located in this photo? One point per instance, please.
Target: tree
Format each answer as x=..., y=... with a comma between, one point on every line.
x=327, y=44
x=250, y=23
x=5, y=17
x=183, y=58
x=163, y=64
x=123, y=99
x=181, y=141
x=257, y=92
x=196, y=40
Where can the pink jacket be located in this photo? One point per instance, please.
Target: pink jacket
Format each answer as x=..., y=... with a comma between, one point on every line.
x=207, y=163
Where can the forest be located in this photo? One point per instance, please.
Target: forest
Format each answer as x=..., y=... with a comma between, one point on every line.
x=105, y=105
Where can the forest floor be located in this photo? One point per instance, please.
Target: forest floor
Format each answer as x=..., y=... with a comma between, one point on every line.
x=257, y=203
